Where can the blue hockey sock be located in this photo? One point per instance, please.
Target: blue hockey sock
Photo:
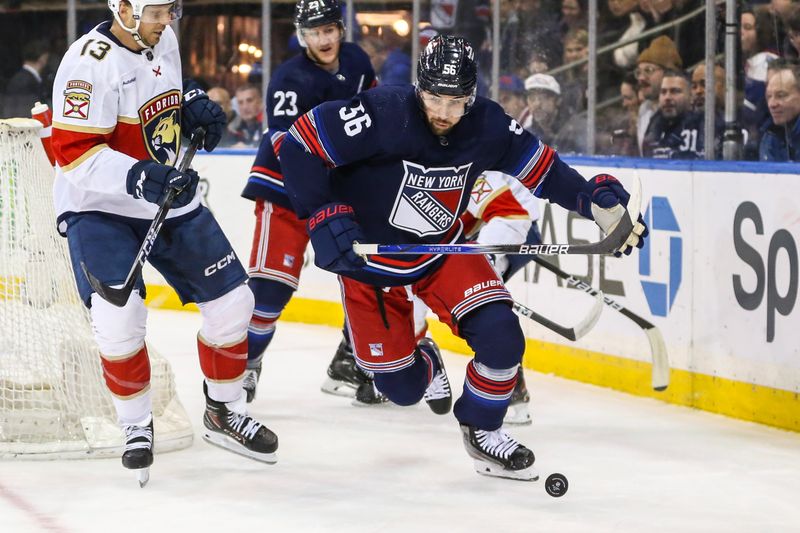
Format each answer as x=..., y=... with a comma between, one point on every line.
x=271, y=298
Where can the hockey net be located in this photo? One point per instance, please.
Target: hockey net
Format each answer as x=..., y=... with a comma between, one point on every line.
x=53, y=400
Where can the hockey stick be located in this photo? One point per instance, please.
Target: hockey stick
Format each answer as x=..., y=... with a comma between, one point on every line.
x=574, y=333
x=119, y=296
x=658, y=347
x=610, y=244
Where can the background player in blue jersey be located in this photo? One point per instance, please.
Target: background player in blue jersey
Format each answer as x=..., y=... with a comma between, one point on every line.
x=396, y=165
x=328, y=69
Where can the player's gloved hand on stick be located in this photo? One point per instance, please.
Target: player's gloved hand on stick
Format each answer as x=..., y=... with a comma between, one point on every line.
x=605, y=199
x=151, y=180
x=198, y=110
x=332, y=229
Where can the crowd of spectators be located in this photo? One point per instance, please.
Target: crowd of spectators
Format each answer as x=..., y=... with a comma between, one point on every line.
x=650, y=92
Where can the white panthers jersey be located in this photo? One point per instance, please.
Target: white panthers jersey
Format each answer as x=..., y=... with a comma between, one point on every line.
x=501, y=208
x=113, y=107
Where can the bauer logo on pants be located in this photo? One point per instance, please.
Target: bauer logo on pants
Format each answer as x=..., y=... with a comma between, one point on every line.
x=429, y=198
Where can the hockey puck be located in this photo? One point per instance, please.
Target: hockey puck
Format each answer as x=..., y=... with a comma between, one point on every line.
x=556, y=485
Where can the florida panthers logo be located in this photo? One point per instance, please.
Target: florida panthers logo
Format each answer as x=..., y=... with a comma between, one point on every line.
x=429, y=199
x=161, y=128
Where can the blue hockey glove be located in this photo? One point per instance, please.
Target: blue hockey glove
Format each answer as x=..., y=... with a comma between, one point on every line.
x=152, y=180
x=603, y=201
x=332, y=229
x=198, y=110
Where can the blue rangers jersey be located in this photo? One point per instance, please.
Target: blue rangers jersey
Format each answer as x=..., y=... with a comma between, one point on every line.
x=298, y=85
x=405, y=184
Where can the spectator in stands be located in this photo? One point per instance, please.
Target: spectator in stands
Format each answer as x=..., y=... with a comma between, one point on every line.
x=527, y=26
x=247, y=126
x=661, y=55
x=391, y=63
x=676, y=132
x=780, y=140
x=543, y=94
x=573, y=15
x=538, y=63
x=699, y=88
x=573, y=82
x=222, y=97
x=618, y=129
x=792, y=24
x=512, y=96
x=26, y=87
x=758, y=50
x=624, y=57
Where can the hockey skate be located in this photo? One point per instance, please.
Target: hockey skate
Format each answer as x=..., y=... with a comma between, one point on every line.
x=438, y=395
x=251, y=377
x=368, y=394
x=344, y=375
x=517, y=413
x=497, y=454
x=138, y=453
x=228, y=426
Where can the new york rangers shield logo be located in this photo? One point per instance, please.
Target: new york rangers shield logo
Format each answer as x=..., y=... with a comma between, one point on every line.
x=429, y=198
x=161, y=126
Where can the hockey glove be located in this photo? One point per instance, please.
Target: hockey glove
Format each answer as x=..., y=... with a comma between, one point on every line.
x=198, y=110
x=604, y=200
x=152, y=180
x=332, y=229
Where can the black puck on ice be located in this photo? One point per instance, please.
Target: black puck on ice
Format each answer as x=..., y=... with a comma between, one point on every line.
x=556, y=485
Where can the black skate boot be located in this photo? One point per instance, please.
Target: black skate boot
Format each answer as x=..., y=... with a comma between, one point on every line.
x=228, y=426
x=517, y=413
x=368, y=394
x=344, y=375
x=251, y=377
x=438, y=395
x=138, y=453
x=497, y=454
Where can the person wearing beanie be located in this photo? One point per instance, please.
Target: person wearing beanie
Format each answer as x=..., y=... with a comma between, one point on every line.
x=512, y=96
x=661, y=55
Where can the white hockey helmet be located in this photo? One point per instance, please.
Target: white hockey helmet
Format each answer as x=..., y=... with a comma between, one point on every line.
x=143, y=13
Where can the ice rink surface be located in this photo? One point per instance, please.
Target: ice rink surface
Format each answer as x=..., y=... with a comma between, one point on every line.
x=633, y=464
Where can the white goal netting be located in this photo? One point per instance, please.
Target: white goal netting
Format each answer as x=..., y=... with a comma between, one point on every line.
x=53, y=400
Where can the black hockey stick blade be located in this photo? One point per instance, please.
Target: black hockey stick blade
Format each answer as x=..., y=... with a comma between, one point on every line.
x=658, y=348
x=119, y=296
x=572, y=333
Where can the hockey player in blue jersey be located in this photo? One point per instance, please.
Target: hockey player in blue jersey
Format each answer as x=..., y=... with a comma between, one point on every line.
x=396, y=165
x=328, y=69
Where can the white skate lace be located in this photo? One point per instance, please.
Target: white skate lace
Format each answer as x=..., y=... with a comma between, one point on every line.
x=250, y=380
x=438, y=388
x=497, y=443
x=137, y=437
x=243, y=424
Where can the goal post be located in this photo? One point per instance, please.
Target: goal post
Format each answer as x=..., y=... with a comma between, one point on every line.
x=53, y=399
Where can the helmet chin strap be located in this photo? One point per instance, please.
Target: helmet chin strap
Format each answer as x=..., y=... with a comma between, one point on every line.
x=134, y=33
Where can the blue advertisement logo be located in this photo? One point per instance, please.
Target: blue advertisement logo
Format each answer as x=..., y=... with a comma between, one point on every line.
x=661, y=293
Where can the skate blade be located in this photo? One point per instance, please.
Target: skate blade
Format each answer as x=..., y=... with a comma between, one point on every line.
x=143, y=476
x=517, y=415
x=231, y=445
x=338, y=388
x=383, y=403
x=490, y=469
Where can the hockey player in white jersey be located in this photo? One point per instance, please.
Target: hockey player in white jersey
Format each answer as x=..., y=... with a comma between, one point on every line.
x=120, y=107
